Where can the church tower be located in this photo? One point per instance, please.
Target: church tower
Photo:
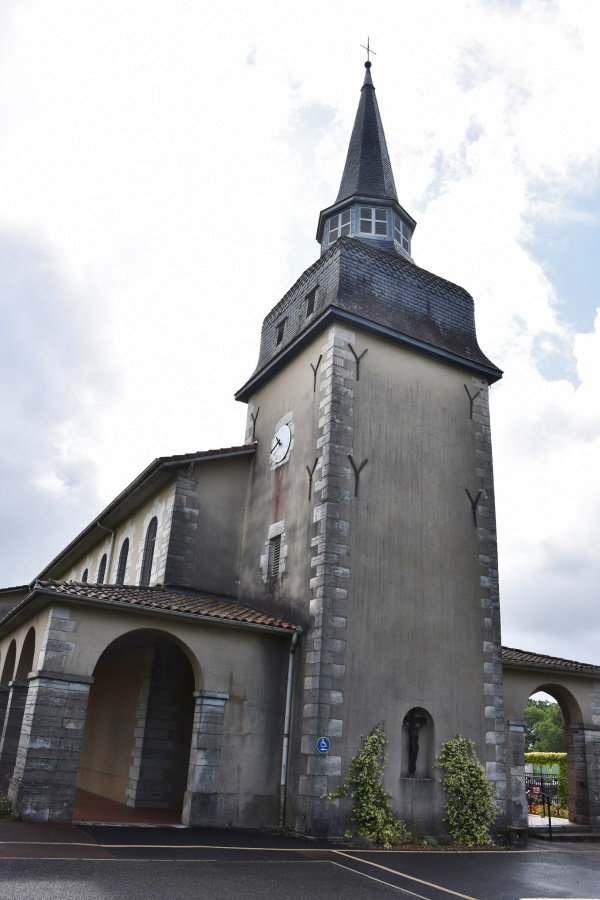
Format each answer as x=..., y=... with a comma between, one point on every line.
x=370, y=515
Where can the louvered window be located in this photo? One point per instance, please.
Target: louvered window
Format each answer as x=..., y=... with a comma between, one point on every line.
x=274, y=555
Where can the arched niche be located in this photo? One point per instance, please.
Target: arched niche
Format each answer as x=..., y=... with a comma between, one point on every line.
x=26, y=658
x=417, y=744
x=9, y=663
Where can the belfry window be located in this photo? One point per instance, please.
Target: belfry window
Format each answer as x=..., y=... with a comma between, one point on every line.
x=339, y=225
x=373, y=221
x=402, y=233
x=148, y=552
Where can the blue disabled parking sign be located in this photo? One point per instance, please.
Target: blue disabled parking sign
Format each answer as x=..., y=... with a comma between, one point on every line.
x=323, y=745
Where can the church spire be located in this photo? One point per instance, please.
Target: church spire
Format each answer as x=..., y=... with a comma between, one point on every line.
x=367, y=206
x=368, y=170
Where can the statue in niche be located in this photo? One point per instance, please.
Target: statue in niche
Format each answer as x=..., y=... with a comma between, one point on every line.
x=413, y=724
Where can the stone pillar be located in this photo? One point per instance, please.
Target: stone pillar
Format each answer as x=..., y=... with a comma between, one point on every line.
x=157, y=776
x=44, y=781
x=583, y=754
x=493, y=689
x=591, y=737
x=324, y=648
x=517, y=810
x=200, y=803
x=11, y=731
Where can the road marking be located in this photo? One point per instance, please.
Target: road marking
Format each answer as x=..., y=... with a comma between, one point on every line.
x=379, y=881
x=367, y=862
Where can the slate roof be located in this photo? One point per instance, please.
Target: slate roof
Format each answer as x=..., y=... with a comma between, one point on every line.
x=161, y=598
x=368, y=170
x=364, y=287
x=539, y=660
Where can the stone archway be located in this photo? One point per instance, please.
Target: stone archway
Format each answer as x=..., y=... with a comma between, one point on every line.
x=14, y=704
x=138, y=728
x=518, y=687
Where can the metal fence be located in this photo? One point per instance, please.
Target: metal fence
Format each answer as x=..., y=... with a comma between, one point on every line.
x=550, y=786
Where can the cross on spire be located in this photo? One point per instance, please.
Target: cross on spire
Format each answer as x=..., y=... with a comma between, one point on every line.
x=368, y=49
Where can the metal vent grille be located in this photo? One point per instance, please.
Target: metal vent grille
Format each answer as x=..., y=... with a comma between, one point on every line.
x=274, y=555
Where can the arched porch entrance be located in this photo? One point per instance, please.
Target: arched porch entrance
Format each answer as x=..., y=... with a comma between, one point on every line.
x=574, y=696
x=138, y=729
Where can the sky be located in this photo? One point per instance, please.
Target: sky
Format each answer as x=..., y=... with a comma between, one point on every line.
x=162, y=167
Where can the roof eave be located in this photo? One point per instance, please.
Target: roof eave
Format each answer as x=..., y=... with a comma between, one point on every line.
x=592, y=672
x=45, y=597
x=353, y=320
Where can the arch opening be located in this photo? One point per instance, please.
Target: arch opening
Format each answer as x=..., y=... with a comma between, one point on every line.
x=9, y=663
x=138, y=728
x=554, y=724
x=26, y=658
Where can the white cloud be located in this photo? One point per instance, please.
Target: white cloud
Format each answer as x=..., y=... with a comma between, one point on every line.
x=177, y=157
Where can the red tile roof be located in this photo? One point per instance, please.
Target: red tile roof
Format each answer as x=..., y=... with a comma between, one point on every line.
x=161, y=598
x=537, y=660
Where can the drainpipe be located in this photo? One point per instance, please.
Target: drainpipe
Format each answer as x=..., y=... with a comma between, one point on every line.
x=110, y=551
x=286, y=729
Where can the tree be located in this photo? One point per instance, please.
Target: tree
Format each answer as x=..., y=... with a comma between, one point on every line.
x=544, y=727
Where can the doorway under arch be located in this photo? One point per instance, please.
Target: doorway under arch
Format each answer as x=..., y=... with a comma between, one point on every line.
x=138, y=728
x=578, y=798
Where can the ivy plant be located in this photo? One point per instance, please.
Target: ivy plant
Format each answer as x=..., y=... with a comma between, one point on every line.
x=470, y=807
x=371, y=811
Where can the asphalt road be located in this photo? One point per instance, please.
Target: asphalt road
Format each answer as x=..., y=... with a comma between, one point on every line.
x=149, y=863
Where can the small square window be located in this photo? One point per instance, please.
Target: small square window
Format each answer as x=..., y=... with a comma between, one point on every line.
x=280, y=331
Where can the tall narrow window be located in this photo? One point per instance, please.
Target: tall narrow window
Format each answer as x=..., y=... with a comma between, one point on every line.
x=310, y=302
x=274, y=555
x=84, y=577
x=148, y=552
x=101, y=570
x=280, y=330
x=121, y=568
x=402, y=233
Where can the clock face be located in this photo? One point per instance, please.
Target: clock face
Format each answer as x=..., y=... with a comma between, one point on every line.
x=280, y=444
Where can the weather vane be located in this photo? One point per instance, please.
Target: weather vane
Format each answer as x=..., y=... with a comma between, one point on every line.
x=368, y=49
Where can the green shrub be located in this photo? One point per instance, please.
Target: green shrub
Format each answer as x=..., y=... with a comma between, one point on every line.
x=470, y=807
x=371, y=812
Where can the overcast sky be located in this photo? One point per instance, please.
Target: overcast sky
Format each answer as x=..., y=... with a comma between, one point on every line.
x=162, y=166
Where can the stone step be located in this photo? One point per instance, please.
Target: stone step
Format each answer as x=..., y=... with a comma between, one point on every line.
x=576, y=833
